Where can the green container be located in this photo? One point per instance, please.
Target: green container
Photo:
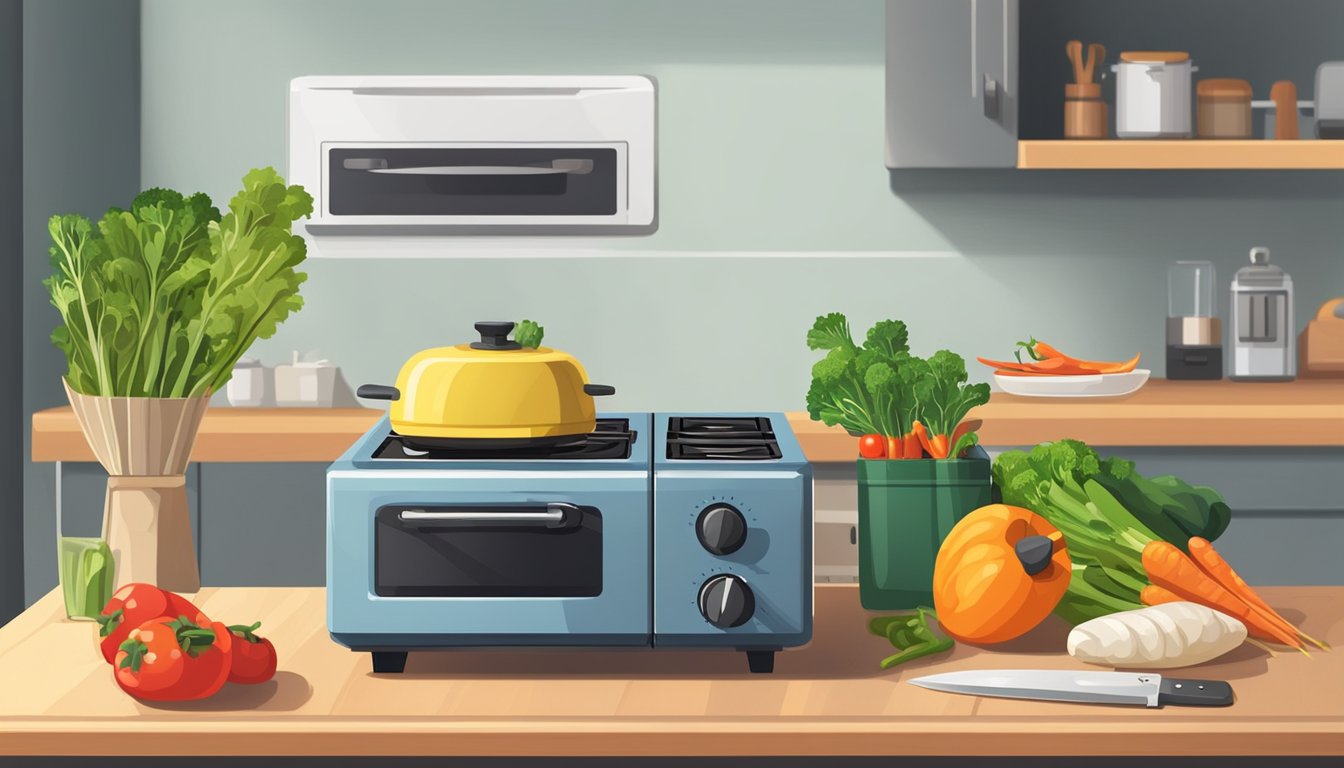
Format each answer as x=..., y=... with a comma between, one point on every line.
x=906, y=509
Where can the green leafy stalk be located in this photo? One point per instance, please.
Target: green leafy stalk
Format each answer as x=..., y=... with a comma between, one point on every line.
x=162, y=299
x=910, y=633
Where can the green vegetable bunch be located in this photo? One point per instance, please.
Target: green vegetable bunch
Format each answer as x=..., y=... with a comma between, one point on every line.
x=1107, y=513
x=161, y=300
x=528, y=333
x=911, y=634
x=880, y=388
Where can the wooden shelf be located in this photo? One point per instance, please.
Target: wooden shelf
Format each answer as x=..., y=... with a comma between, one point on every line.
x=228, y=434
x=1164, y=413
x=828, y=698
x=1143, y=154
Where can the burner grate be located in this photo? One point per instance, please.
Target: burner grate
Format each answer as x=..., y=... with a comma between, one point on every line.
x=612, y=439
x=721, y=438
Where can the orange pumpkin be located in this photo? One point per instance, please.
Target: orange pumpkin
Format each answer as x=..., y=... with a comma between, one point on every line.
x=1000, y=571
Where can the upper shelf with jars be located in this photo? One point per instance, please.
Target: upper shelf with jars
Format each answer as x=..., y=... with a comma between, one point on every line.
x=1145, y=84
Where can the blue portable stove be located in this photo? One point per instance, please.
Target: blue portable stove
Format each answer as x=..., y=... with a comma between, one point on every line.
x=666, y=530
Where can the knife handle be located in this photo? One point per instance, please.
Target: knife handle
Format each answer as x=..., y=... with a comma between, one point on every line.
x=1194, y=693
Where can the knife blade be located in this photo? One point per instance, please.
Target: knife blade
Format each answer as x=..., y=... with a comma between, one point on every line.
x=1132, y=688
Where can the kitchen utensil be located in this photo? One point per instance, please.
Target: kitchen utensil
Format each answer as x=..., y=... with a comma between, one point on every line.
x=1194, y=331
x=1322, y=341
x=1096, y=54
x=1096, y=385
x=1074, y=50
x=1084, y=111
x=1284, y=95
x=1133, y=688
x=1153, y=94
x=305, y=384
x=1330, y=100
x=492, y=390
x=1263, y=339
x=247, y=387
x=553, y=545
x=1224, y=108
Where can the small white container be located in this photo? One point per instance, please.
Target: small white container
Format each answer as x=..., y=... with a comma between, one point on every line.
x=304, y=384
x=247, y=386
x=1152, y=95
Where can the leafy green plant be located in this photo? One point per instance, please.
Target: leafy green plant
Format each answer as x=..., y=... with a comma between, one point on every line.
x=161, y=300
x=879, y=388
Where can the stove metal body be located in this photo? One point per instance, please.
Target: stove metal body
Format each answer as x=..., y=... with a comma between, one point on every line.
x=670, y=530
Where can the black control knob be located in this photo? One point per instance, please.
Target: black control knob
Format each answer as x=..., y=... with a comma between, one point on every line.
x=726, y=601
x=721, y=529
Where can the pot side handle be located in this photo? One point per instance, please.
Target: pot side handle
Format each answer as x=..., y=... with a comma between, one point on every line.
x=597, y=390
x=378, y=392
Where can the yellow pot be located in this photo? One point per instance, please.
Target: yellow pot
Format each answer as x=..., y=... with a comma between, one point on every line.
x=492, y=389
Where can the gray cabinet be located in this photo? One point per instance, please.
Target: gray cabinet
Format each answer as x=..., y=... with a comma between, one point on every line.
x=952, y=83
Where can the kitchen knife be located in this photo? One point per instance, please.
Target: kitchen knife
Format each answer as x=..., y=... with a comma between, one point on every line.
x=1134, y=688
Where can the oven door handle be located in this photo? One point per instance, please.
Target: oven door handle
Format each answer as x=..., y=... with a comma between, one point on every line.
x=574, y=166
x=555, y=514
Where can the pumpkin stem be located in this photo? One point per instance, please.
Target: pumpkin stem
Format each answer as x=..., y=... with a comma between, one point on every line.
x=1034, y=553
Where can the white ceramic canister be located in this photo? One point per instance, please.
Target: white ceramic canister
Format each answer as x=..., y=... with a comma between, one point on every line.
x=247, y=385
x=1152, y=94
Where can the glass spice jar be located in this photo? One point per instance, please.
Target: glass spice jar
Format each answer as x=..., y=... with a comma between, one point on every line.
x=1224, y=109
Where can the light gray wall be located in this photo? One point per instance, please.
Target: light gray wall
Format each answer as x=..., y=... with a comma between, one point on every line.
x=770, y=119
x=81, y=154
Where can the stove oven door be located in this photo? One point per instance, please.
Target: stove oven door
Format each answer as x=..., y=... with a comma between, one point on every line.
x=501, y=558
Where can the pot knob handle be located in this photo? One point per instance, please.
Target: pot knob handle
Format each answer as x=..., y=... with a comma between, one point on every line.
x=495, y=335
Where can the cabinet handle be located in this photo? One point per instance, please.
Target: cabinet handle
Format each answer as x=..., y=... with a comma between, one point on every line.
x=991, y=99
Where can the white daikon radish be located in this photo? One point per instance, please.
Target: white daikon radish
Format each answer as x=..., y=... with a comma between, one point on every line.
x=1157, y=637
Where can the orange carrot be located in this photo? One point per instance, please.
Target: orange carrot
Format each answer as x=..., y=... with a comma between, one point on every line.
x=923, y=436
x=940, y=446
x=1155, y=595
x=895, y=448
x=1218, y=569
x=913, y=449
x=1170, y=568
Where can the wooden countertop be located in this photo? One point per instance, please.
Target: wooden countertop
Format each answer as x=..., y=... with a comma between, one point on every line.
x=828, y=698
x=1163, y=413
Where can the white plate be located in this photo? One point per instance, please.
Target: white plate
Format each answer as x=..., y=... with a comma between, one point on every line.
x=1096, y=385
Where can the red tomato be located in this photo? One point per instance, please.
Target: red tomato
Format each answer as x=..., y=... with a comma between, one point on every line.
x=872, y=447
x=130, y=606
x=179, y=606
x=253, y=656
x=150, y=662
x=208, y=652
